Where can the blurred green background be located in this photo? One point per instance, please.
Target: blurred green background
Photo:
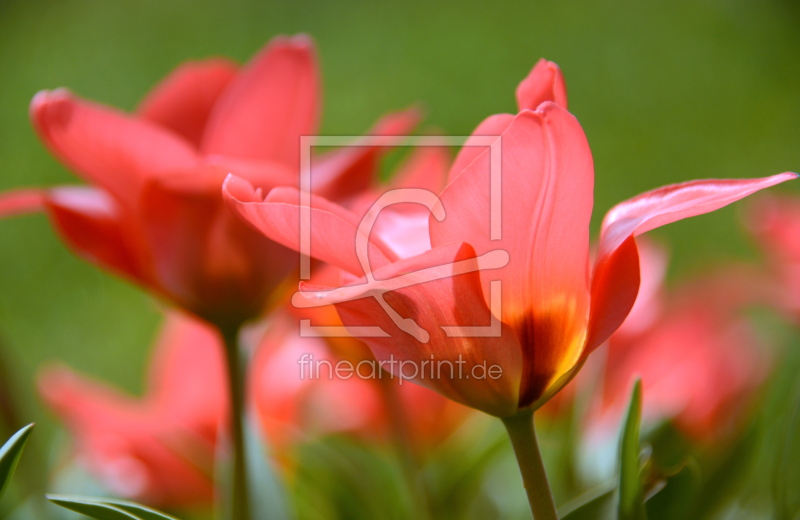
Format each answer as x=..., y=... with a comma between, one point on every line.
x=667, y=91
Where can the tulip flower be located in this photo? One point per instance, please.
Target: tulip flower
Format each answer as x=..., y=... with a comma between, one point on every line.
x=153, y=213
x=553, y=309
x=700, y=363
x=158, y=448
x=693, y=348
x=775, y=223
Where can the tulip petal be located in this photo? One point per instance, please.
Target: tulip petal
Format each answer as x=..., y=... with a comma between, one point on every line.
x=615, y=286
x=455, y=300
x=273, y=101
x=105, y=147
x=91, y=224
x=476, y=145
x=616, y=277
x=22, y=201
x=546, y=202
x=205, y=257
x=183, y=101
x=333, y=228
x=545, y=82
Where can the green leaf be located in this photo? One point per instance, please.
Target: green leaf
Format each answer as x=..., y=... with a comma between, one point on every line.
x=631, y=495
x=596, y=504
x=676, y=498
x=108, y=509
x=10, y=454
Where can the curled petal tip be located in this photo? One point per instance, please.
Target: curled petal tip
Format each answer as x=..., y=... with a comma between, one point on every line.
x=52, y=107
x=239, y=190
x=302, y=40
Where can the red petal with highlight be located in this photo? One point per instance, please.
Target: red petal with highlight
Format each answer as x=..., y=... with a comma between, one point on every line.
x=271, y=103
x=183, y=101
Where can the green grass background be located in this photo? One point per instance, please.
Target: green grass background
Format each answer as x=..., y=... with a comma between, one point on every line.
x=667, y=91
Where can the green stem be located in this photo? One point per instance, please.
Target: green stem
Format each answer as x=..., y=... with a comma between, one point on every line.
x=523, y=437
x=402, y=437
x=239, y=507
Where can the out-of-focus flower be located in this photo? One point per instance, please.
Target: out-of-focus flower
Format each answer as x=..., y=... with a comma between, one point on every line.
x=700, y=365
x=699, y=358
x=153, y=212
x=159, y=448
x=555, y=310
x=775, y=223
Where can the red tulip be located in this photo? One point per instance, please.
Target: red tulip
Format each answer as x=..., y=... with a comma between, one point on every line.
x=775, y=223
x=159, y=448
x=556, y=309
x=153, y=213
x=700, y=363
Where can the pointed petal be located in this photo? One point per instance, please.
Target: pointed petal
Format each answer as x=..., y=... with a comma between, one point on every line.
x=451, y=301
x=544, y=83
x=21, y=202
x=183, y=101
x=105, y=147
x=615, y=281
x=91, y=224
x=668, y=204
x=265, y=110
x=333, y=229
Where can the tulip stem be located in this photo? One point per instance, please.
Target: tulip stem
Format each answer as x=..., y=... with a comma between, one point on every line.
x=526, y=447
x=239, y=492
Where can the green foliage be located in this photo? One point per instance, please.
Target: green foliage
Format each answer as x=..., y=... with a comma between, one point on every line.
x=787, y=474
x=596, y=504
x=676, y=494
x=108, y=509
x=10, y=454
x=631, y=494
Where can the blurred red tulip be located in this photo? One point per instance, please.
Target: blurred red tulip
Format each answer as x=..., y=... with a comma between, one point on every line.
x=699, y=359
x=153, y=213
x=159, y=448
x=700, y=365
x=555, y=310
x=775, y=223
